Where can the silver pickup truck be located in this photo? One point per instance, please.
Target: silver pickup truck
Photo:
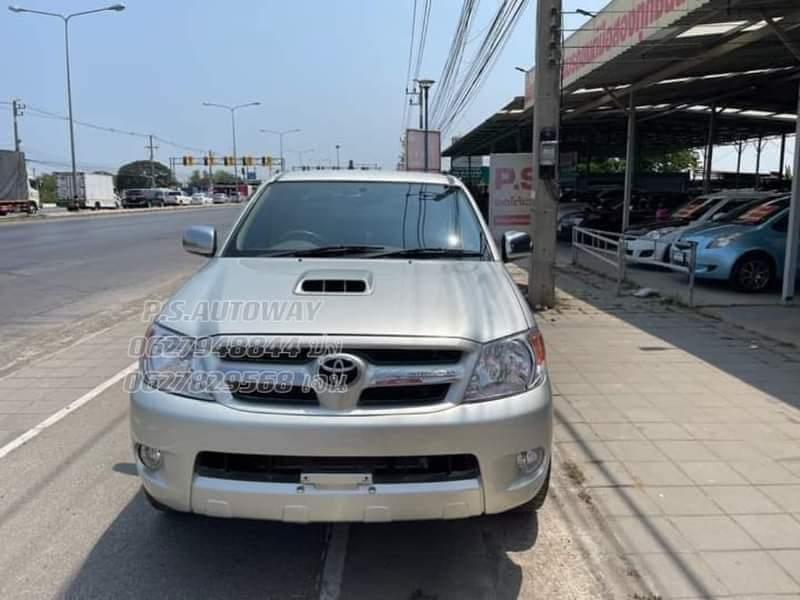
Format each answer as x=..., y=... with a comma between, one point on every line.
x=355, y=350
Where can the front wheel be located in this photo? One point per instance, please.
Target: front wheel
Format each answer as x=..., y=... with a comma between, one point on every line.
x=753, y=273
x=33, y=208
x=157, y=505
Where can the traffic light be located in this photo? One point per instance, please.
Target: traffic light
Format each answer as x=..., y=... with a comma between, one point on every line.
x=266, y=161
x=225, y=160
x=247, y=161
x=188, y=161
x=205, y=160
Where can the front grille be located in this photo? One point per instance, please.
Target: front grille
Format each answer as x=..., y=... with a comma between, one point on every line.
x=376, y=356
x=403, y=395
x=275, y=395
x=288, y=469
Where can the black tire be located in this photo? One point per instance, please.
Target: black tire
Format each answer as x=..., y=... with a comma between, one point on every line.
x=157, y=505
x=535, y=503
x=96, y=206
x=32, y=208
x=753, y=273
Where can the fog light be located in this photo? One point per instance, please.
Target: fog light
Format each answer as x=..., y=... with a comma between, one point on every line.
x=530, y=460
x=150, y=457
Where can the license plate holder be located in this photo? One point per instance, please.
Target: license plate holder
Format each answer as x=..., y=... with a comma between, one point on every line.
x=336, y=480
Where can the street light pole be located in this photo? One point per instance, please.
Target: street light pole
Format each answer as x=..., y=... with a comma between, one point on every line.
x=233, y=109
x=337, y=157
x=66, y=19
x=280, y=135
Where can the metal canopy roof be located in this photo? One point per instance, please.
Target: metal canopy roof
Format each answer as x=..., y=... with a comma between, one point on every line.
x=742, y=56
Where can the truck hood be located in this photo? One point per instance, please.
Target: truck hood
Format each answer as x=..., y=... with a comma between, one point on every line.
x=473, y=300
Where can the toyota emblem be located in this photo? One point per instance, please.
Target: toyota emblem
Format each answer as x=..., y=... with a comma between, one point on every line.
x=339, y=369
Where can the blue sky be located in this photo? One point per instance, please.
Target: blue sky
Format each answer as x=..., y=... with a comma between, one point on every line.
x=336, y=70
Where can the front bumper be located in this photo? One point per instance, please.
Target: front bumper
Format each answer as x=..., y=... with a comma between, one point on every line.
x=494, y=432
x=713, y=263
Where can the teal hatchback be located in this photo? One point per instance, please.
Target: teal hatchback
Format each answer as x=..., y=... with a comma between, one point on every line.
x=748, y=252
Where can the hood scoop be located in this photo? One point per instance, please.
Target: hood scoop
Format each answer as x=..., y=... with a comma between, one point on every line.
x=335, y=281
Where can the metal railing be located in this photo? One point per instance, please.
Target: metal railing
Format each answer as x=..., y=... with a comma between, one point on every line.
x=611, y=248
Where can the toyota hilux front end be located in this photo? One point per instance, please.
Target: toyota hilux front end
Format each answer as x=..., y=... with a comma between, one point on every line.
x=355, y=351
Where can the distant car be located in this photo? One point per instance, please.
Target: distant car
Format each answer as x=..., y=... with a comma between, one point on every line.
x=176, y=198
x=236, y=197
x=748, y=252
x=200, y=199
x=657, y=237
x=220, y=198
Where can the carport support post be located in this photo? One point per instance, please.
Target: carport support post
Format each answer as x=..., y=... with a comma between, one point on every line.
x=758, y=162
x=546, y=116
x=630, y=171
x=782, y=158
x=738, y=163
x=709, y=158
x=630, y=164
x=793, y=231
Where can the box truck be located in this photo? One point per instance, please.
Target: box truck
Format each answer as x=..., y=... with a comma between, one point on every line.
x=95, y=190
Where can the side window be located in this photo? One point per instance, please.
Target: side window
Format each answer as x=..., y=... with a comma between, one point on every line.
x=782, y=224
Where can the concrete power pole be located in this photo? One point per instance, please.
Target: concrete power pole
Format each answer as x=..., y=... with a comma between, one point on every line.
x=546, y=118
x=152, y=162
x=16, y=111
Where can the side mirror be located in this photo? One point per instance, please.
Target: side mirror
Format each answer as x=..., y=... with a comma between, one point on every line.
x=516, y=244
x=200, y=239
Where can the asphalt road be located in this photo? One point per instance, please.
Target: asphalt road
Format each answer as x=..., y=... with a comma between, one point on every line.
x=63, y=279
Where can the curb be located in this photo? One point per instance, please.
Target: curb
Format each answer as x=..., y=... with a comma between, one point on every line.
x=117, y=213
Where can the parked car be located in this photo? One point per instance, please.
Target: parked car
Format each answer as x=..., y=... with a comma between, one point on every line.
x=199, y=199
x=176, y=198
x=656, y=237
x=145, y=197
x=220, y=198
x=748, y=252
x=396, y=392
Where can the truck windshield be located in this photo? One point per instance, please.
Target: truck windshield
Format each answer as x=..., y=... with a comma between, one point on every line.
x=362, y=217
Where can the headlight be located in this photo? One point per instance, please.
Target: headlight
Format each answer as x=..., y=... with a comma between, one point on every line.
x=170, y=363
x=508, y=366
x=723, y=241
x=658, y=233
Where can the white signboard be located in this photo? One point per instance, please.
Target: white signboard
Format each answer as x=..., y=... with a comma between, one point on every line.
x=619, y=26
x=415, y=150
x=510, y=193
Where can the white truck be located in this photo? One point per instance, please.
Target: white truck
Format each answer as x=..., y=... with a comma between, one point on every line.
x=18, y=193
x=95, y=190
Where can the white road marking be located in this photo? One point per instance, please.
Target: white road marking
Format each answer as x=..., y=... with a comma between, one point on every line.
x=69, y=408
x=333, y=569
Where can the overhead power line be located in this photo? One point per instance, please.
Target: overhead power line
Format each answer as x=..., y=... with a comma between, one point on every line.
x=423, y=36
x=46, y=114
x=496, y=36
x=452, y=65
x=404, y=122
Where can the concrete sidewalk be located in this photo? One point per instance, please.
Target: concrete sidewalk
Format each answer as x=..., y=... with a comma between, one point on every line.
x=684, y=434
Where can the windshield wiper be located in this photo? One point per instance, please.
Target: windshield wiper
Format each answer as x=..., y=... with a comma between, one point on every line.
x=340, y=250
x=430, y=253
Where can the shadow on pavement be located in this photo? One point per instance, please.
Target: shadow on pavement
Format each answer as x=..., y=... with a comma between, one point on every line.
x=144, y=554
x=438, y=560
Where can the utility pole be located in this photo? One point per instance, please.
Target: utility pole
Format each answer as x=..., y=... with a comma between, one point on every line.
x=337, y=156
x=152, y=163
x=546, y=119
x=211, y=172
x=16, y=111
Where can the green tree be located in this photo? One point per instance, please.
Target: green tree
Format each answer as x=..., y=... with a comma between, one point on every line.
x=46, y=184
x=672, y=162
x=199, y=179
x=136, y=174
